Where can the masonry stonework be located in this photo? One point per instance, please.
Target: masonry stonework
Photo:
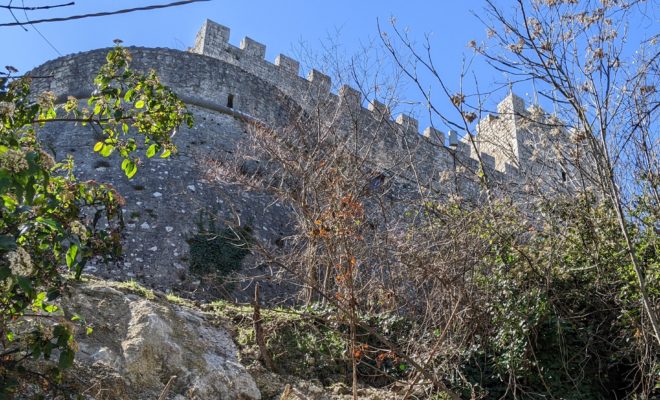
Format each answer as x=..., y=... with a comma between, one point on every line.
x=228, y=88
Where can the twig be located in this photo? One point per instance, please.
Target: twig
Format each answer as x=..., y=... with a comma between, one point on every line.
x=286, y=392
x=259, y=332
x=163, y=394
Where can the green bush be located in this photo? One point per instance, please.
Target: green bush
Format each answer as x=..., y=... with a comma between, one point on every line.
x=218, y=251
x=301, y=341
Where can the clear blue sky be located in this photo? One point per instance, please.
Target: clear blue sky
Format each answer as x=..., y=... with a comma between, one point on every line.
x=281, y=25
x=278, y=24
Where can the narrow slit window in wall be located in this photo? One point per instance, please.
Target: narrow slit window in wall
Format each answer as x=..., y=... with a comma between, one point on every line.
x=230, y=101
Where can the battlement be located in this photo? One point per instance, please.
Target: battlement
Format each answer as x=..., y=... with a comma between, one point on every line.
x=256, y=88
x=230, y=89
x=500, y=137
x=511, y=105
x=213, y=41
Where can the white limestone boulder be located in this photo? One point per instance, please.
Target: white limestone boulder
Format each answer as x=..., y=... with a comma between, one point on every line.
x=139, y=344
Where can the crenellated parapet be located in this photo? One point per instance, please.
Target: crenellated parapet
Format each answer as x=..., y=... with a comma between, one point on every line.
x=230, y=89
x=284, y=73
x=239, y=81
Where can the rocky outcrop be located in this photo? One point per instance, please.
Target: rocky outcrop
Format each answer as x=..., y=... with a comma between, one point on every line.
x=140, y=344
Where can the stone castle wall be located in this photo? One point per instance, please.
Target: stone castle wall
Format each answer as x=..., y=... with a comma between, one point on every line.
x=227, y=89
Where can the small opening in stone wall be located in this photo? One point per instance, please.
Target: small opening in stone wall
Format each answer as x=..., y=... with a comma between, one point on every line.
x=563, y=175
x=230, y=101
x=101, y=164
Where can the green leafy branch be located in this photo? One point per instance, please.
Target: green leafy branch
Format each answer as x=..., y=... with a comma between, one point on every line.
x=49, y=219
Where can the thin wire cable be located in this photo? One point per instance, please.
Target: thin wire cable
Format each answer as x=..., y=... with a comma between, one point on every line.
x=13, y=15
x=9, y=6
x=52, y=46
x=105, y=13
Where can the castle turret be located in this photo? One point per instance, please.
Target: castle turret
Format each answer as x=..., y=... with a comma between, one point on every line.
x=499, y=135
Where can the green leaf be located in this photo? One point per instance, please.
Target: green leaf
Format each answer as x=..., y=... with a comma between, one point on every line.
x=131, y=170
x=71, y=255
x=80, y=266
x=151, y=151
x=89, y=330
x=38, y=301
x=30, y=191
x=52, y=294
x=25, y=284
x=98, y=146
x=61, y=333
x=166, y=153
x=51, y=308
x=124, y=128
x=49, y=222
x=9, y=201
x=66, y=358
x=107, y=150
x=5, y=273
x=128, y=95
x=51, y=113
x=139, y=104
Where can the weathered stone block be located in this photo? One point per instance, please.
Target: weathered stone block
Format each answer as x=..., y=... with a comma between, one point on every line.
x=407, y=122
x=452, y=137
x=350, y=95
x=288, y=64
x=319, y=79
x=252, y=48
x=211, y=39
x=380, y=109
x=434, y=135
